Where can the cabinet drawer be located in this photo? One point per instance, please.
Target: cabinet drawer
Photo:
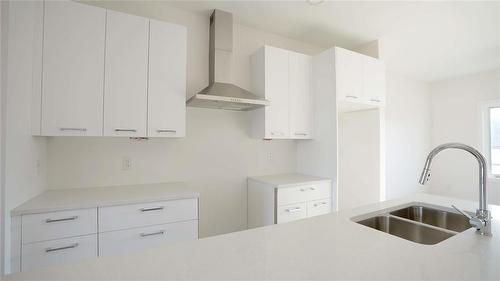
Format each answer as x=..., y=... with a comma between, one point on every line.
x=291, y=212
x=146, y=237
x=57, y=252
x=137, y=215
x=55, y=225
x=319, y=207
x=302, y=193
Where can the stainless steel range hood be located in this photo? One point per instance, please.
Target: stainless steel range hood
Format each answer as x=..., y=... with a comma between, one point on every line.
x=221, y=93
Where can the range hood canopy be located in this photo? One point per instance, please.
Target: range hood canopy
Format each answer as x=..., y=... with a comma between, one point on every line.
x=221, y=93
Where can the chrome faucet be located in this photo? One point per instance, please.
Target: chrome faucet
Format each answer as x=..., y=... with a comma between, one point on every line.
x=482, y=220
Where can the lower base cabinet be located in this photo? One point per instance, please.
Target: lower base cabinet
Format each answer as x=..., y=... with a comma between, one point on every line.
x=284, y=198
x=120, y=241
x=58, y=252
x=69, y=236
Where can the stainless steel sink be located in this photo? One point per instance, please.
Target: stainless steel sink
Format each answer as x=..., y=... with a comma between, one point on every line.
x=434, y=217
x=420, y=224
x=407, y=230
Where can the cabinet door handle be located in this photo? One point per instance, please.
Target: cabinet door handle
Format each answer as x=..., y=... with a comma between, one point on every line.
x=73, y=129
x=319, y=204
x=48, y=250
x=125, y=130
x=166, y=131
x=63, y=219
x=293, y=210
x=152, y=209
x=352, y=97
x=312, y=188
x=301, y=134
x=161, y=232
x=375, y=100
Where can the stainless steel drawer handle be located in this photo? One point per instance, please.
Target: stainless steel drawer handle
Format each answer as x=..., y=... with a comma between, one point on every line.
x=375, y=100
x=161, y=232
x=352, y=97
x=48, y=250
x=63, y=219
x=301, y=134
x=73, y=129
x=319, y=204
x=166, y=131
x=152, y=209
x=125, y=130
x=293, y=210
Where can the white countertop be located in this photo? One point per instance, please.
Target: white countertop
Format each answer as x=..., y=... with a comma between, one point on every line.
x=81, y=198
x=329, y=247
x=287, y=179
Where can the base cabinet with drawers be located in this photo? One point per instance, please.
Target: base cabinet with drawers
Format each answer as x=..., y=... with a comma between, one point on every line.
x=62, y=237
x=283, y=198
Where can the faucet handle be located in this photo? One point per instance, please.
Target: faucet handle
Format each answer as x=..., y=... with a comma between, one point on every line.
x=463, y=213
x=476, y=222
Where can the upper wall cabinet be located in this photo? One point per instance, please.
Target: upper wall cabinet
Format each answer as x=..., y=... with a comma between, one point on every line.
x=73, y=69
x=109, y=73
x=167, y=80
x=300, y=90
x=126, y=75
x=284, y=78
x=360, y=81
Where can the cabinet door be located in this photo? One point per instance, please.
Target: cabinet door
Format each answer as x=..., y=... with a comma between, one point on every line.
x=300, y=96
x=58, y=252
x=73, y=69
x=276, y=89
x=349, y=75
x=167, y=80
x=135, y=239
x=126, y=74
x=374, y=80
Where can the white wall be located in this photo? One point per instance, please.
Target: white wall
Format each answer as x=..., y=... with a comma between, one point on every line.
x=3, y=73
x=407, y=139
x=25, y=155
x=217, y=154
x=456, y=118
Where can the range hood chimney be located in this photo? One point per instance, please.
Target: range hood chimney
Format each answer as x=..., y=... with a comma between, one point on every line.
x=221, y=93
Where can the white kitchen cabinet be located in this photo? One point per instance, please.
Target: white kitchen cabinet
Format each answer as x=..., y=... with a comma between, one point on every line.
x=167, y=80
x=276, y=88
x=374, y=80
x=300, y=94
x=284, y=78
x=126, y=75
x=59, y=224
x=277, y=199
x=58, y=252
x=349, y=74
x=127, y=240
x=137, y=215
x=106, y=73
x=359, y=81
x=73, y=68
x=60, y=227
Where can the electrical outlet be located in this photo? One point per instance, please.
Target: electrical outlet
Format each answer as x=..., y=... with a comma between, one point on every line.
x=126, y=163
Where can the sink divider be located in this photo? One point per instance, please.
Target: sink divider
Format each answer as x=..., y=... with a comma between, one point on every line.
x=421, y=223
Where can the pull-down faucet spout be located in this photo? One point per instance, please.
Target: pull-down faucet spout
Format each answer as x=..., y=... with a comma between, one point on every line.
x=482, y=220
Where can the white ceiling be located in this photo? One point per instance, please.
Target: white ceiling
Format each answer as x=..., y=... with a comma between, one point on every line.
x=426, y=40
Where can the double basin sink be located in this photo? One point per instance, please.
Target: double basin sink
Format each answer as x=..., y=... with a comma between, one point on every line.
x=420, y=224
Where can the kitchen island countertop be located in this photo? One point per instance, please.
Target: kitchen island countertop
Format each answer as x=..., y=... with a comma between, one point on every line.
x=328, y=247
